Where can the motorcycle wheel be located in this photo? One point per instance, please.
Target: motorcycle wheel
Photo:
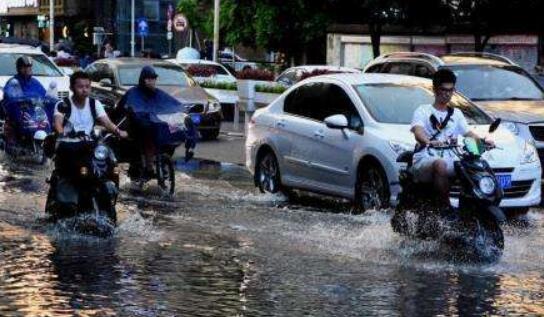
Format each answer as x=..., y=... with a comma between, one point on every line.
x=166, y=176
x=39, y=155
x=486, y=240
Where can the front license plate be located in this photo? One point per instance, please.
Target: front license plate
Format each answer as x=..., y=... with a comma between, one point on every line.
x=505, y=181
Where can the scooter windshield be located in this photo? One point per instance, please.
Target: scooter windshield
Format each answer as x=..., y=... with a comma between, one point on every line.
x=473, y=146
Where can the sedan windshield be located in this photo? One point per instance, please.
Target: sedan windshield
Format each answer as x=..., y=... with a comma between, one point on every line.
x=491, y=82
x=41, y=65
x=396, y=103
x=168, y=75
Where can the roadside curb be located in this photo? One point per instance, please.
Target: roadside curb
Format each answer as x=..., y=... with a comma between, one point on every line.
x=235, y=134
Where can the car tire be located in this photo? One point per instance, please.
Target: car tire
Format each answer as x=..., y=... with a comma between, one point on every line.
x=371, y=189
x=267, y=174
x=210, y=134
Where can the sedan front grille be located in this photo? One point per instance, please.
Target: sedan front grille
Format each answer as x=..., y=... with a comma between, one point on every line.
x=518, y=189
x=538, y=132
x=195, y=108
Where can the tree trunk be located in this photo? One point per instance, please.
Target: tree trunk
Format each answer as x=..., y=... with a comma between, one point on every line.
x=375, y=37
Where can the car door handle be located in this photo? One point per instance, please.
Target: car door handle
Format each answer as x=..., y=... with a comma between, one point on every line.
x=319, y=134
x=280, y=124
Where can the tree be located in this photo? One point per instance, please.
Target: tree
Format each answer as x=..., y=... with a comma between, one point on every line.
x=288, y=26
x=200, y=15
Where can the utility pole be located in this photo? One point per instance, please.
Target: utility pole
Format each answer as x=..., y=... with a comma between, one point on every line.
x=51, y=25
x=216, y=29
x=132, y=31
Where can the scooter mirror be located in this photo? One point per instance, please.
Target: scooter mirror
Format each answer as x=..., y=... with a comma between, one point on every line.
x=495, y=125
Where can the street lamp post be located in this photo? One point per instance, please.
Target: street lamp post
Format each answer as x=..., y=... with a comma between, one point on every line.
x=51, y=24
x=132, y=31
x=216, y=29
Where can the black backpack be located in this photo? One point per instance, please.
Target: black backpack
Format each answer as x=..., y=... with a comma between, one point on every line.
x=66, y=108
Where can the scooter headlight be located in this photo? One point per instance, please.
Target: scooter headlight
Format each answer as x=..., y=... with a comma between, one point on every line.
x=101, y=152
x=487, y=185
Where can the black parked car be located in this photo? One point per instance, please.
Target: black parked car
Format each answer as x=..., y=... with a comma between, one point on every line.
x=113, y=77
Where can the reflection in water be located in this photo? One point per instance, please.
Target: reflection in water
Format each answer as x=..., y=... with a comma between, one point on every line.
x=219, y=249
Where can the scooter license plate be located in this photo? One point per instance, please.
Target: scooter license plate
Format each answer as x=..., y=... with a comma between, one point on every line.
x=505, y=181
x=196, y=118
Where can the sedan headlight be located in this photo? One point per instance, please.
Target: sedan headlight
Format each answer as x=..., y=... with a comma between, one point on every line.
x=101, y=152
x=214, y=106
x=400, y=147
x=529, y=155
x=511, y=126
x=487, y=185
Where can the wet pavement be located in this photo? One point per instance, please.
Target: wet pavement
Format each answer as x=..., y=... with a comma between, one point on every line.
x=219, y=248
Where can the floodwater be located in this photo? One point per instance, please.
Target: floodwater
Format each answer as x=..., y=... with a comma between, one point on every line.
x=218, y=248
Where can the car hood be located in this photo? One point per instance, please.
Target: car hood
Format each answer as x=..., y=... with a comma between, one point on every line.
x=507, y=154
x=523, y=111
x=192, y=95
x=63, y=83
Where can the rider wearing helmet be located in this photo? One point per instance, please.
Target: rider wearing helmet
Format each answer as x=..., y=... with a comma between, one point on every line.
x=20, y=87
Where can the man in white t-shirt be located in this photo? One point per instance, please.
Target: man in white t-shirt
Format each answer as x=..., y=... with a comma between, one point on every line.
x=432, y=165
x=80, y=112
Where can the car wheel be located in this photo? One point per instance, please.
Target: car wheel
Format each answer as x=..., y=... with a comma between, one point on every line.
x=268, y=174
x=210, y=135
x=372, y=189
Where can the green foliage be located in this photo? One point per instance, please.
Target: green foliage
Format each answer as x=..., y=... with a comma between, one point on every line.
x=218, y=85
x=199, y=13
x=271, y=89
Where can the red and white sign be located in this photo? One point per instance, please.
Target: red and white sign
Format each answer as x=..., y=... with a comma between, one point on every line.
x=180, y=23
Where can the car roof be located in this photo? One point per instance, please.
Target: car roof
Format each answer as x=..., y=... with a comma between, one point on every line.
x=472, y=60
x=20, y=49
x=326, y=67
x=363, y=79
x=193, y=61
x=133, y=61
x=453, y=59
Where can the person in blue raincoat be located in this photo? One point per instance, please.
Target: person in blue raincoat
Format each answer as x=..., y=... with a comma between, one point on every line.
x=142, y=103
x=21, y=87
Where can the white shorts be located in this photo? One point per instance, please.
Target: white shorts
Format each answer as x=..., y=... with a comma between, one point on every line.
x=422, y=168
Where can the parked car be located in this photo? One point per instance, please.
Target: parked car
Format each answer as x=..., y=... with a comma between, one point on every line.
x=499, y=86
x=234, y=62
x=111, y=78
x=205, y=70
x=341, y=135
x=293, y=75
x=45, y=71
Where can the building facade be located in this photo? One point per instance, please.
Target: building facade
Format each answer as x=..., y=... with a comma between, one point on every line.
x=355, y=49
x=115, y=18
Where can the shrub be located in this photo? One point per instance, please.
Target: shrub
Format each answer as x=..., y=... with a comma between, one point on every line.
x=273, y=89
x=201, y=71
x=218, y=85
x=255, y=74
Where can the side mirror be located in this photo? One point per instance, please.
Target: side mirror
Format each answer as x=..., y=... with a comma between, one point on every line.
x=495, y=125
x=338, y=121
x=106, y=82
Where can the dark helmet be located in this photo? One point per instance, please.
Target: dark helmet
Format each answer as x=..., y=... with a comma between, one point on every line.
x=146, y=73
x=23, y=61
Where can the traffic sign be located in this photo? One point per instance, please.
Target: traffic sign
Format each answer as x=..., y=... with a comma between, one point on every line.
x=143, y=27
x=180, y=23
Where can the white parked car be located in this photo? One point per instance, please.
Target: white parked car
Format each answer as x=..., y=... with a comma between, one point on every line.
x=45, y=71
x=299, y=142
x=293, y=75
x=218, y=72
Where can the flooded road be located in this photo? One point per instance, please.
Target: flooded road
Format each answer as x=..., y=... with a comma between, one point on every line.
x=218, y=248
